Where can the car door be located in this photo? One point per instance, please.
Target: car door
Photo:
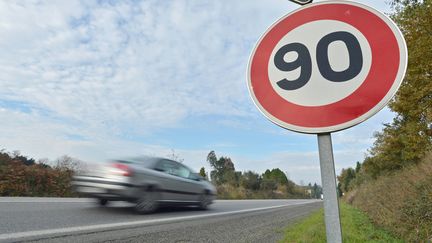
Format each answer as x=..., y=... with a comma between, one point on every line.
x=168, y=180
x=189, y=186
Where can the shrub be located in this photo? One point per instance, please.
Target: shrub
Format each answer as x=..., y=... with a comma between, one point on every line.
x=401, y=202
x=19, y=179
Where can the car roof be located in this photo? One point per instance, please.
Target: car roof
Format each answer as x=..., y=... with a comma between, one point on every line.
x=149, y=161
x=146, y=160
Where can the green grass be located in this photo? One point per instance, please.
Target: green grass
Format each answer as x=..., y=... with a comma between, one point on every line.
x=356, y=227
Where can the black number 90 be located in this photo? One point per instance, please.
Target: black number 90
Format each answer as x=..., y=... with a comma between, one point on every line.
x=304, y=60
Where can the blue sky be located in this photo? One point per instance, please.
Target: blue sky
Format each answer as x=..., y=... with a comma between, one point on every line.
x=107, y=79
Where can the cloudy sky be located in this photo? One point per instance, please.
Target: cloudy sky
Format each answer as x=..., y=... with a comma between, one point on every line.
x=107, y=79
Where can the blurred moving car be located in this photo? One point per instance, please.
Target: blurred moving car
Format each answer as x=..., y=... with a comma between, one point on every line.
x=148, y=182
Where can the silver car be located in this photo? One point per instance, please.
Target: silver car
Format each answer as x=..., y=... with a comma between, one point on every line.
x=148, y=182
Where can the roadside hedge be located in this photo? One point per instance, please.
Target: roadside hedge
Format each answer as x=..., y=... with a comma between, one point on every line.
x=34, y=180
x=400, y=202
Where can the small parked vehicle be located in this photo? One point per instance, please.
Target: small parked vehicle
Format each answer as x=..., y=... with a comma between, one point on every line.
x=149, y=182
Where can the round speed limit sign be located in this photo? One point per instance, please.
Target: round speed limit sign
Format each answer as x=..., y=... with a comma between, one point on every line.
x=327, y=66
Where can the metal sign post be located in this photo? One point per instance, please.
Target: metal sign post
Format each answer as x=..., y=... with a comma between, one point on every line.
x=328, y=178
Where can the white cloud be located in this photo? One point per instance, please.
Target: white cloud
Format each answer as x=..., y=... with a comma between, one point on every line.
x=126, y=63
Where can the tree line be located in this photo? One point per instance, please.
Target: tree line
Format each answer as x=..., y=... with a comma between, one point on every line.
x=249, y=184
x=407, y=139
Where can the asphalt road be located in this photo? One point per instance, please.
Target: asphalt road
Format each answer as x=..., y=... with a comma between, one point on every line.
x=80, y=220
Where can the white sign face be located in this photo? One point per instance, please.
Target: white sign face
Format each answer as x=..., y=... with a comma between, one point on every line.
x=327, y=66
x=339, y=60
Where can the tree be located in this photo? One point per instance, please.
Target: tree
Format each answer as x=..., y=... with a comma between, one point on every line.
x=268, y=185
x=339, y=189
x=17, y=157
x=223, y=169
x=216, y=165
x=68, y=163
x=250, y=180
x=228, y=173
x=398, y=145
x=203, y=173
x=407, y=139
x=413, y=102
x=358, y=167
x=345, y=178
x=316, y=191
x=291, y=187
x=277, y=175
x=44, y=162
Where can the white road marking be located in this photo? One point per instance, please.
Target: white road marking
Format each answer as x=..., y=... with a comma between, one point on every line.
x=44, y=200
x=35, y=233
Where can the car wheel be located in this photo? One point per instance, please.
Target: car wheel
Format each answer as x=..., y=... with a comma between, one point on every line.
x=102, y=201
x=204, y=201
x=147, y=203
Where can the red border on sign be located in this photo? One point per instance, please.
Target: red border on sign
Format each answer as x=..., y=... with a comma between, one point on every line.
x=382, y=74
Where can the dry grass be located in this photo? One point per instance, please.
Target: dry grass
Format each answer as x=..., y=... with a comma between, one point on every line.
x=227, y=191
x=401, y=202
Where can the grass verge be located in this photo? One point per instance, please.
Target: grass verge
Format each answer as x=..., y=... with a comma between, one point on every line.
x=356, y=227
